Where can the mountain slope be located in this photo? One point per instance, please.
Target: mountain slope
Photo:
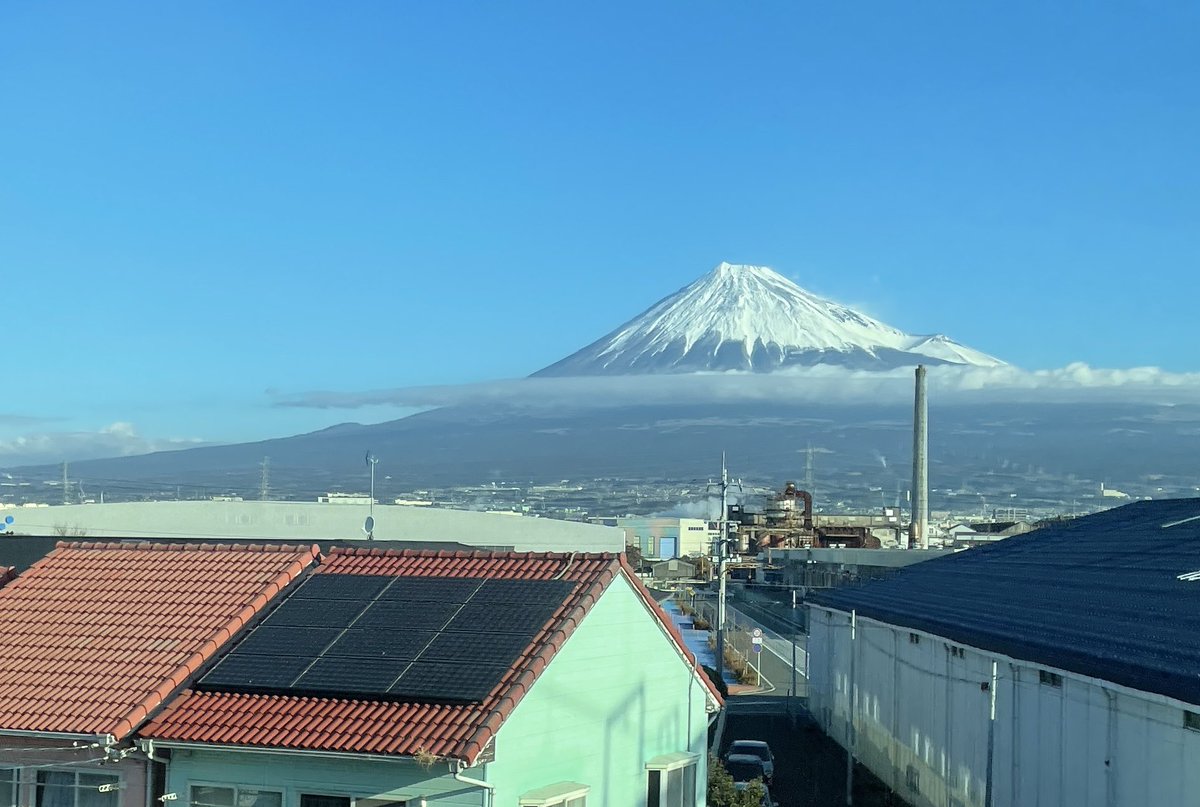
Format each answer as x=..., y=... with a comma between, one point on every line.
x=751, y=318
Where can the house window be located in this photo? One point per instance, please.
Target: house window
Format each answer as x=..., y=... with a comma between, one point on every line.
x=671, y=780
x=914, y=638
x=563, y=794
x=231, y=796
x=1050, y=679
x=1191, y=720
x=8, y=787
x=77, y=789
x=912, y=778
x=320, y=800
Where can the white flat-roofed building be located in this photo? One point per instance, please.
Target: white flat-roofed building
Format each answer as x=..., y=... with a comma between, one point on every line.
x=313, y=521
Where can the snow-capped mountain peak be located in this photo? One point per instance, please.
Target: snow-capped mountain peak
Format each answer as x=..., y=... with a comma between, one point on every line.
x=740, y=317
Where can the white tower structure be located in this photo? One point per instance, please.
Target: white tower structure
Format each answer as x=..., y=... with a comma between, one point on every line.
x=919, y=531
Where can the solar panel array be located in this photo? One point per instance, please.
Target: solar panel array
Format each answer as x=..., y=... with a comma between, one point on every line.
x=391, y=638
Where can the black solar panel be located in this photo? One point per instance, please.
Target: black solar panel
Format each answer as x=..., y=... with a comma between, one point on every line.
x=351, y=675
x=287, y=641
x=368, y=636
x=344, y=586
x=523, y=592
x=432, y=589
x=499, y=648
x=520, y=619
x=246, y=671
x=415, y=615
x=306, y=613
x=404, y=644
x=441, y=681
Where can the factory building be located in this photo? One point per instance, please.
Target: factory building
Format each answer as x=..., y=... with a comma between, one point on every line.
x=1057, y=667
x=664, y=537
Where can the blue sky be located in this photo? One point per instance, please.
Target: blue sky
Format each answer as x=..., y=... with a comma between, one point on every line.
x=205, y=206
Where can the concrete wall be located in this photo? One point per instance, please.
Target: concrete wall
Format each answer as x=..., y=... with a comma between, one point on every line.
x=310, y=521
x=922, y=717
x=31, y=755
x=617, y=695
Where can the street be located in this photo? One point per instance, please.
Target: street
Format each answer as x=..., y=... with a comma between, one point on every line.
x=810, y=768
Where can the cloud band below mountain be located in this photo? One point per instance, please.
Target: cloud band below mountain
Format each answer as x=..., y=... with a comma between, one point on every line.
x=965, y=385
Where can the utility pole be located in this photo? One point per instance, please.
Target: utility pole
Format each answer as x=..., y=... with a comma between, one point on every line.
x=66, y=485
x=264, y=488
x=721, y=549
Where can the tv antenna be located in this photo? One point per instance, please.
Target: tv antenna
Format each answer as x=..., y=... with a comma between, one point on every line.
x=369, y=524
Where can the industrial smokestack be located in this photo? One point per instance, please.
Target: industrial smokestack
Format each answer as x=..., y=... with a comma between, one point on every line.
x=919, y=530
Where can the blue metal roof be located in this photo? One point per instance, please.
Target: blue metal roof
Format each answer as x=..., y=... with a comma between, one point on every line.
x=1100, y=595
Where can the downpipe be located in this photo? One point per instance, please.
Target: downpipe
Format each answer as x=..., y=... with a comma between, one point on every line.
x=488, y=787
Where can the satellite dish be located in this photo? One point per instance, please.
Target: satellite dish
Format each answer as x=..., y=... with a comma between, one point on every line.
x=369, y=526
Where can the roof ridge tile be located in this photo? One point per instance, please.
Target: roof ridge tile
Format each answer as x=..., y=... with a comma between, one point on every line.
x=143, y=546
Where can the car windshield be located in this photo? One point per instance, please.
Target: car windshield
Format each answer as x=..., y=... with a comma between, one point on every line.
x=744, y=771
x=760, y=751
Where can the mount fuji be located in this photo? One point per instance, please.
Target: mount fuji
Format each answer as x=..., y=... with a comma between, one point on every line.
x=751, y=318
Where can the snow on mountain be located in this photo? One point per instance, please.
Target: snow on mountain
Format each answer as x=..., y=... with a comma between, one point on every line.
x=752, y=318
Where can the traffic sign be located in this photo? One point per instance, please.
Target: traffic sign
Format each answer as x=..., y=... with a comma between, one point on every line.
x=757, y=647
x=756, y=633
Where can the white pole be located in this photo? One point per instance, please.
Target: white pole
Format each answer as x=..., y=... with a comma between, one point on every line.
x=850, y=738
x=991, y=739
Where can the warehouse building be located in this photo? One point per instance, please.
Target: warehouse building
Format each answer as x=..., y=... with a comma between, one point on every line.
x=1060, y=667
x=298, y=522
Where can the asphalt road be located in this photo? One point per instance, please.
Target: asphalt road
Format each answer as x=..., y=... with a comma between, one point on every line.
x=810, y=768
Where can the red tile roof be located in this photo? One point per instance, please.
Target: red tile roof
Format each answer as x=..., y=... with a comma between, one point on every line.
x=96, y=636
x=359, y=726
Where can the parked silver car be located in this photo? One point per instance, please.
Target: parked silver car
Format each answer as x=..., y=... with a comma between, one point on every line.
x=758, y=749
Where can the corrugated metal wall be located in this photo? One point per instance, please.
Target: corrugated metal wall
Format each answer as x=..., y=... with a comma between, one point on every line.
x=922, y=715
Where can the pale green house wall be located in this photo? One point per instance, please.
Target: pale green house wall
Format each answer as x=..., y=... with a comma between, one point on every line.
x=615, y=696
x=389, y=779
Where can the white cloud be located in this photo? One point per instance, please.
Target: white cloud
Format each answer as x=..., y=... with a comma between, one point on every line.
x=118, y=439
x=947, y=384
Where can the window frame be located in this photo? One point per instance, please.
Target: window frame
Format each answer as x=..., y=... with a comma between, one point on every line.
x=664, y=765
x=1050, y=679
x=14, y=782
x=300, y=794
x=235, y=787
x=38, y=786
